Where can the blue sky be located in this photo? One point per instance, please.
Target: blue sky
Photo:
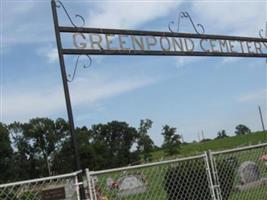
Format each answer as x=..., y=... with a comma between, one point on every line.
x=190, y=93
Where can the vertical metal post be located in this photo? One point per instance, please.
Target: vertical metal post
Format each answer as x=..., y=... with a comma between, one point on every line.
x=214, y=173
x=262, y=123
x=66, y=88
x=263, y=127
x=203, y=136
x=89, y=185
x=94, y=189
x=77, y=187
x=209, y=175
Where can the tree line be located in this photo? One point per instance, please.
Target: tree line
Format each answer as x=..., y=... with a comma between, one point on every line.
x=240, y=129
x=42, y=147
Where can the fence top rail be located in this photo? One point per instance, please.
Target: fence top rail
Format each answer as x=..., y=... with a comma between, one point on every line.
x=69, y=175
x=239, y=149
x=146, y=165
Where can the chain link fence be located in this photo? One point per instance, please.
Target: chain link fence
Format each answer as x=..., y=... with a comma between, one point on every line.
x=58, y=187
x=238, y=174
x=241, y=174
x=183, y=179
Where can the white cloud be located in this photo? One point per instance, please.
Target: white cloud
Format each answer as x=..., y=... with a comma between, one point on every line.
x=50, y=53
x=187, y=60
x=231, y=17
x=105, y=89
x=20, y=27
x=24, y=23
x=254, y=96
x=128, y=14
x=239, y=18
x=29, y=102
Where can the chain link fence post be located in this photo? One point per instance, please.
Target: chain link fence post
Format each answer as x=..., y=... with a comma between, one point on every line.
x=214, y=172
x=89, y=185
x=77, y=187
x=209, y=175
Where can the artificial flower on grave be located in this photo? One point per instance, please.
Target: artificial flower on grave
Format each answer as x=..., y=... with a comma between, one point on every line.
x=264, y=159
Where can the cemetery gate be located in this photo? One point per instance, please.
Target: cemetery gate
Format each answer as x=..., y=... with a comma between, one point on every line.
x=87, y=41
x=237, y=174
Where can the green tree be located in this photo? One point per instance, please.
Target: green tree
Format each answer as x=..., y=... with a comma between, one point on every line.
x=103, y=146
x=63, y=159
x=242, y=130
x=221, y=134
x=6, y=153
x=172, y=141
x=35, y=143
x=45, y=136
x=65, y=155
x=25, y=159
x=145, y=144
x=114, y=142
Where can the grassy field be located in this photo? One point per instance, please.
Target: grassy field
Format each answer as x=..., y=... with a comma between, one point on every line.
x=215, y=145
x=155, y=175
x=154, y=178
x=258, y=192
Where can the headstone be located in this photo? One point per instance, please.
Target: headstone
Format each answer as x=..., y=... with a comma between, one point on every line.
x=249, y=172
x=128, y=184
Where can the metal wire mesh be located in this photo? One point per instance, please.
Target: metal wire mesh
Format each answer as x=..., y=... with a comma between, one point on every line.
x=34, y=189
x=241, y=173
x=185, y=179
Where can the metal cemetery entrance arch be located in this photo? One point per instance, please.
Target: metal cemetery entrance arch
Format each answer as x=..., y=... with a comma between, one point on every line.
x=100, y=41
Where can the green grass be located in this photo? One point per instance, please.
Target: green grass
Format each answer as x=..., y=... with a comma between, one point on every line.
x=155, y=179
x=215, y=145
x=259, y=193
x=155, y=175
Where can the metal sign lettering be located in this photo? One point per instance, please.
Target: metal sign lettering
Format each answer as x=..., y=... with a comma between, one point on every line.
x=101, y=41
x=142, y=45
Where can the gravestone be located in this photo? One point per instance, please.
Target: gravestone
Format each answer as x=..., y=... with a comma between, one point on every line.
x=128, y=184
x=249, y=172
x=131, y=184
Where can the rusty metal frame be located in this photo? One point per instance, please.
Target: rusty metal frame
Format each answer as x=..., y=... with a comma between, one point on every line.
x=81, y=29
x=65, y=86
x=66, y=51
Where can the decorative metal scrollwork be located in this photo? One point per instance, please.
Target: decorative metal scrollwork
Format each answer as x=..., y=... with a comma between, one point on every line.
x=261, y=33
x=186, y=15
x=60, y=4
x=71, y=77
